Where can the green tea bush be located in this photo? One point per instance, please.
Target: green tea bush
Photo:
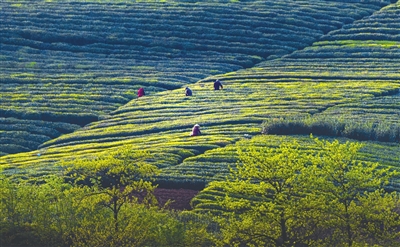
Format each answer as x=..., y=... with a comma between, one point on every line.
x=363, y=130
x=13, y=148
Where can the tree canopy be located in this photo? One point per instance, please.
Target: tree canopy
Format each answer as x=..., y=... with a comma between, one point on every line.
x=326, y=197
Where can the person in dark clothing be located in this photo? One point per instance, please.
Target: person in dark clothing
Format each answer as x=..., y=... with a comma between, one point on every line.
x=188, y=91
x=218, y=85
x=196, y=130
x=140, y=92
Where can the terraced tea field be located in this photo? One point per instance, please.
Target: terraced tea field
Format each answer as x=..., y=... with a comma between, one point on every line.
x=341, y=76
x=19, y=135
x=75, y=62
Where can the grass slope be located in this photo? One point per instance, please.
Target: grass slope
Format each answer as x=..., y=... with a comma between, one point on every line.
x=300, y=84
x=76, y=61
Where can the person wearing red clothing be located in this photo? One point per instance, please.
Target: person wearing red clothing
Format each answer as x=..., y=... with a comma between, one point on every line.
x=140, y=92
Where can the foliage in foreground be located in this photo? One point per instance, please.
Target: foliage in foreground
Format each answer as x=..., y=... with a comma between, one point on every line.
x=321, y=198
x=108, y=204
x=276, y=196
x=58, y=214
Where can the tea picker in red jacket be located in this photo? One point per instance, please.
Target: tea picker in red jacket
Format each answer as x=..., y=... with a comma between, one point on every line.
x=140, y=92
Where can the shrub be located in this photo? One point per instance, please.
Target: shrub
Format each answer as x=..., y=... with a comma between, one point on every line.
x=373, y=130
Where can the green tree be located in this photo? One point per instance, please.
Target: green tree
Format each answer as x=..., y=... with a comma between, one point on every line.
x=110, y=204
x=353, y=204
x=9, y=199
x=269, y=186
x=36, y=214
x=286, y=196
x=116, y=178
x=120, y=191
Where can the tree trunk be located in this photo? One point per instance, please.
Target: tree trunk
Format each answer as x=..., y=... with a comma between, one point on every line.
x=115, y=210
x=284, y=237
x=348, y=227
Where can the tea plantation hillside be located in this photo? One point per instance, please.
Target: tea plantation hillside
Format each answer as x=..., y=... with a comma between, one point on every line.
x=364, y=52
x=75, y=62
x=354, y=83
